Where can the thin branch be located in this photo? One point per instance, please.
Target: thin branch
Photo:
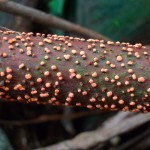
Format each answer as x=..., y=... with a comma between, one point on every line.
x=46, y=118
x=47, y=19
x=89, y=139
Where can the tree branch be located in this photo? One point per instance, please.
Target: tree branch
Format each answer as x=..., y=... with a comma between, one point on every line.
x=47, y=19
x=46, y=118
x=109, y=129
x=63, y=70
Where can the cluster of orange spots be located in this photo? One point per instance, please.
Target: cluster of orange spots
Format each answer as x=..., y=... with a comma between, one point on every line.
x=102, y=45
x=57, y=48
x=95, y=64
x=34, y=92
x=121, y=101
x=107, y=79
x=11, y=47
x=122, y=65
x=4, y=55
x=130, y=70
x=54, y=67
x=126, y=82
x=109, y=93
x=53, y=99
x=94, y=74
x=89, y=47
x=117, y=43
x=130, y=49
x=46, y=57
x=9, y=76
x=108, y=62
x=93, y=84
x=5, y=38
x=119, y=83
x=19, y=87
x=47, y=40
x=69, y=44
x=42, y=95
x=141, y=79
x=130, y=63
x=28, y=76
x=29, y=53
x=21, y=51
x=63, y=47
x=41, y=43
x=104, y=70
x=92, y=99
x=11, y=41
x=2, y=73
x=94, y=50
x=138, y=45
x=119, y=58
x=47, y=84
x=116, y=77
x=29, y=48
x=59, y=75
x=112, y=65
x=148, y=90
x=89, y=106
x=74, y=51
x=70, y=97
x=42, y=63
x=39, y=80
x=134, y=76
x=83, y=55
x=8, y=70
x=21, y=66
x=137, y=55
x=67, y=56
x=46, y=73
x=110, y=42
x=72, y=73
x=56, y=92
x=114, y=97
x=95, y=59
x=131, y=89
x=47, y=50
x=77, y=62
x=78, y=76
x=84, y=93
x=4, y=88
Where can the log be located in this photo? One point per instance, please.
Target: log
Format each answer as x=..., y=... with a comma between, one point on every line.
x=71, y=71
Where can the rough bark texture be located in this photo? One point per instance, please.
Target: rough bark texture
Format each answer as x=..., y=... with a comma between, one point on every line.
x=72, y=71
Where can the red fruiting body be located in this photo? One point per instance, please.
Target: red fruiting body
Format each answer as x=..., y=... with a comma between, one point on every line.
x=63, y=70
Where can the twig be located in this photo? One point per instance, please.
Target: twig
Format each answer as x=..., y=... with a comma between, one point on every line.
x=46, y=118
x=47, y=19
x=89, y=139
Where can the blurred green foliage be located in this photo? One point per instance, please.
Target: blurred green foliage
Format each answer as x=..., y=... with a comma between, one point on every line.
x=125, y=20
x=56, y=7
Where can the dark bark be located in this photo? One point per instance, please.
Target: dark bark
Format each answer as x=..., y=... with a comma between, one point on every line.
x=72, y=71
